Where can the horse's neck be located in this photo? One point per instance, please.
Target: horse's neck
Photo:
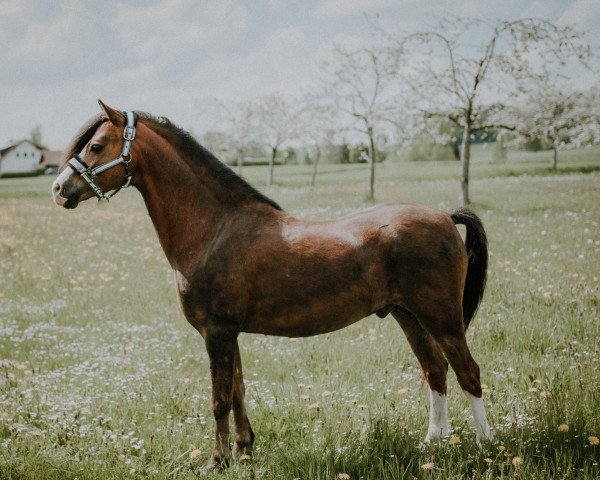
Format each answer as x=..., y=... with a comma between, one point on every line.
x=183, y=206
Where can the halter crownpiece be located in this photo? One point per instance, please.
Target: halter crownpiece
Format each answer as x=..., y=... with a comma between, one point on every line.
x=89, y=174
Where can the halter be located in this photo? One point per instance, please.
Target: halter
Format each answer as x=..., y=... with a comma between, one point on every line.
x=89, y=174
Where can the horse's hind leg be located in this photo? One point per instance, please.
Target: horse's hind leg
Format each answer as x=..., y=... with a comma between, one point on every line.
x=448, y=330
x=435, y=369
x=244, y=436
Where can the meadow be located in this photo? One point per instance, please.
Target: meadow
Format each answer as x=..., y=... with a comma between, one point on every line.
x=101, y=376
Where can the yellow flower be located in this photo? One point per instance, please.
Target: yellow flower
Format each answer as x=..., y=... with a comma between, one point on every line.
x=314, y=406
x=245, y=458
x=403, y=391
x=516, y=461
x=326, y=393
x=489, y=461
x=343, y=476
x=594, y=440
x=427, y=466
x=454, y=440
x=501, y=448
x=563, y=427
x=194, y=454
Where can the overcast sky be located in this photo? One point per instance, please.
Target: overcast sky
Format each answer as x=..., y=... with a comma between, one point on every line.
x=165, y=56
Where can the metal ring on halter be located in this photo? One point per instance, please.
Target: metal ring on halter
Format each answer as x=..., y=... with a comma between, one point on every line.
x=89, y=174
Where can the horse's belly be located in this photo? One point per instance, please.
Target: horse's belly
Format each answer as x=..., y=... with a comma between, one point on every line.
x=313, y=318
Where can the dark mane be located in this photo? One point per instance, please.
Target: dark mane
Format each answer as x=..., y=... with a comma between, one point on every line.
x=83, y=136
x=190, y=144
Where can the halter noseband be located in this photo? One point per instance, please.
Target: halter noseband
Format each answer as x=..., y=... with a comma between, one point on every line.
x=89, y=174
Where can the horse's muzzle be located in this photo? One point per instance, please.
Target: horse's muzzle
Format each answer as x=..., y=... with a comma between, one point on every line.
x=62, y=195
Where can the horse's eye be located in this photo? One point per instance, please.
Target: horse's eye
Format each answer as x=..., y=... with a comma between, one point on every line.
x=96, y=148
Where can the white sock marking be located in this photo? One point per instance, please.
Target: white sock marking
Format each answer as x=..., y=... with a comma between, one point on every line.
x=438, y=416
x=482, y=427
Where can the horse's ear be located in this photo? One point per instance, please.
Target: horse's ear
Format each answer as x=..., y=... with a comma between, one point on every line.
x=115, y=117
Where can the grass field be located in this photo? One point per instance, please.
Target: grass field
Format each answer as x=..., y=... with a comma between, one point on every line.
x=101, y=377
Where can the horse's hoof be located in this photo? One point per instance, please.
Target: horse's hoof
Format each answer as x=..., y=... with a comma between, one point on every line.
x=214, y=464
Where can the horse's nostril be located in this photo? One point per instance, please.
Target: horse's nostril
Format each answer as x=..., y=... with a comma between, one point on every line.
x=56, y=188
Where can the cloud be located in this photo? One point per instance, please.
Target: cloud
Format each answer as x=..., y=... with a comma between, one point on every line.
x=175, y=28
x=335, y=8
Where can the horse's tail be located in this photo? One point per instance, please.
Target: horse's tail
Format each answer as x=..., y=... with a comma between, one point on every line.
x=477, y=251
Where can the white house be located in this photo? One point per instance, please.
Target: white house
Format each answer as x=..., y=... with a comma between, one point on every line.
x=27, y=156
x=21, y=156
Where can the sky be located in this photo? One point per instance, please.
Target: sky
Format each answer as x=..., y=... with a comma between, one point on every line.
x=167, y=57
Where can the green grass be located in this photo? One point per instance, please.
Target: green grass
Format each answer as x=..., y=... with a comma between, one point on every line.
x=101, y=377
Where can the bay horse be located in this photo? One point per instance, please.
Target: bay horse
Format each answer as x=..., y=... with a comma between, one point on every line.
x=242, y=264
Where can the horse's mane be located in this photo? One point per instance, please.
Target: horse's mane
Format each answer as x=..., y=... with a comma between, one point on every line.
x=83, y=136
x=185, y=141
x=189, y=144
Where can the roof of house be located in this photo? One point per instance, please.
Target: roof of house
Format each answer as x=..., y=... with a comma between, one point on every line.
x=51, y=158
x=14, y=145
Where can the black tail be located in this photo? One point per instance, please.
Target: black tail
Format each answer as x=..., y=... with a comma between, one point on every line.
x=476, y=243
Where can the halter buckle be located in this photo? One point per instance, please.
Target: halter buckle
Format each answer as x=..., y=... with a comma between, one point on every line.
x=129, y=133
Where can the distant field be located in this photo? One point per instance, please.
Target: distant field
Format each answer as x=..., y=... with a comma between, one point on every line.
x=101, y=377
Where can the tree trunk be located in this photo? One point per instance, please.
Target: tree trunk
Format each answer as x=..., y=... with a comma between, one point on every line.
x=313, y=179
x=271, y=166
x=240, y=161
x=554, y=156
x=465, y=158
x=372, y=156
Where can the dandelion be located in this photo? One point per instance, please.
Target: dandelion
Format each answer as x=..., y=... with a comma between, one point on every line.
x=427, y=466
x=194, y=454
x=326, y=393
x=244, y=458
x=516, y=461
x=314, y=406
x=403, y=391
x=343, y=476
x=36, y=433
x=501, y=448
x=544, y=394
x=563, y=427
x=489, y=462
x=594, y=440
x=305, y=397
x=454, y=440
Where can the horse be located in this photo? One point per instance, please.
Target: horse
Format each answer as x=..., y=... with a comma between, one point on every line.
x=242, y=264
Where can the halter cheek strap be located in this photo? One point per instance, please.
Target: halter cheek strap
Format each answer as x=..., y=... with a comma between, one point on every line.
x=89, y=174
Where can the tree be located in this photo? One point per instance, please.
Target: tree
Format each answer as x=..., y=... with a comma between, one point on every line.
x=274, y=120
x=361, y=84
x=559, y=119
x=36, y=135
x=316, y=120
x=458, y=77
x=237, y=130
x=220, y=143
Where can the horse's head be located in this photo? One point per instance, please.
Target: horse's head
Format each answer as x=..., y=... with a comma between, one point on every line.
x=97, y=159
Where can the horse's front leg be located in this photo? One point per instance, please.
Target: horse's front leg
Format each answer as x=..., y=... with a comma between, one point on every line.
x=244, y=436
x=221, y=346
